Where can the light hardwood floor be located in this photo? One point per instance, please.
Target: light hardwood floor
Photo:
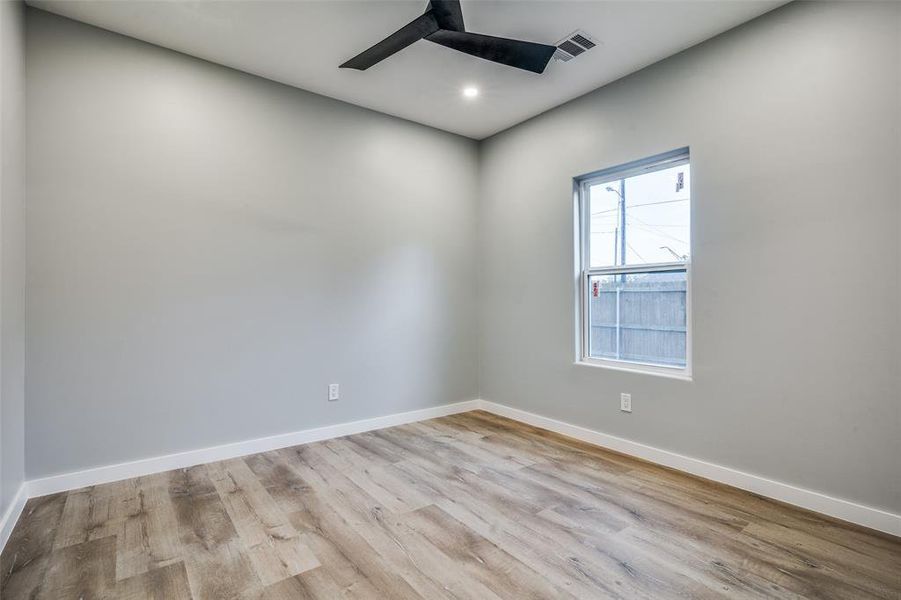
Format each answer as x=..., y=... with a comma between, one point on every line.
x=468, y=506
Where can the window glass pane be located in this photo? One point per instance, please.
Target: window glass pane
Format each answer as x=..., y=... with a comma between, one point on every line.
x=642, y=219
x=638, y=317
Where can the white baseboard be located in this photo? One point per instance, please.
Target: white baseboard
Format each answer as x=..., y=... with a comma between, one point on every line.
x=842, y=509
x=158, y=464
x=845, y=510
x=11, y=516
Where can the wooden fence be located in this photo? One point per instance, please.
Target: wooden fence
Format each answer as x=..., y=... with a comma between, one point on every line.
x=640, y=321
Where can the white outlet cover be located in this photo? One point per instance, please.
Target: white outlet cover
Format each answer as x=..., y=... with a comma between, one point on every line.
x=333, y=392
x=625, y=402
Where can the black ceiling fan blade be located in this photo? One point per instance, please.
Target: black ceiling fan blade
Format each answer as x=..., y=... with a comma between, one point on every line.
x=448, y=14
x=530, y=56
x=397, y=41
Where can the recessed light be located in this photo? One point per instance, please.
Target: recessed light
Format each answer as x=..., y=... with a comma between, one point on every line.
x=470, y=92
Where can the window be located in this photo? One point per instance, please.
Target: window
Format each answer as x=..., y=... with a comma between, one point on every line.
x=634, y=224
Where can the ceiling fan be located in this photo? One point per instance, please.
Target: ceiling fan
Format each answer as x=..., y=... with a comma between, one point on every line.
x=442, y=24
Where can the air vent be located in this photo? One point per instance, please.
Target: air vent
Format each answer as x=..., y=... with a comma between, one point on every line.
x=571, y=48
x=573, y=45
x=583, y=41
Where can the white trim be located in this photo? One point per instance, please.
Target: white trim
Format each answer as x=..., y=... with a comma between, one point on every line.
x=584, y=271
x=845, y=510
x=636, y=368
x=13, y=511
x=649, y=164
x=158, y=464
x=664, y=267
x=815, y=501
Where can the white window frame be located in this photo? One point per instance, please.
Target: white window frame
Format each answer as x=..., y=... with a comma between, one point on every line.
x=584, y=271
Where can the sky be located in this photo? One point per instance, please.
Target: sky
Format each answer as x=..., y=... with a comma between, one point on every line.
x=657, y=216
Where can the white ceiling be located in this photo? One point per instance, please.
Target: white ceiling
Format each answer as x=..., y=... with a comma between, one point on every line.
x=301, y=43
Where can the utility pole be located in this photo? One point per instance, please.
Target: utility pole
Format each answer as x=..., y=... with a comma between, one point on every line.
x=621, y=225
x=621, y=234
x=622, y=261
x=622, y=221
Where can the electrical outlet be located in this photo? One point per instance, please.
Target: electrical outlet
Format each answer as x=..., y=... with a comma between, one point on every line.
x=333, y=392
x=625, y=402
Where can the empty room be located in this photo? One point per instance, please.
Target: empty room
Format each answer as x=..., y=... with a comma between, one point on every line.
x=450, y=299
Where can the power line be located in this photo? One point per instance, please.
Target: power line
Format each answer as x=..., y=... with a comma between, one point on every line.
x=647, y=227
x=640, y=257
x=600, y=212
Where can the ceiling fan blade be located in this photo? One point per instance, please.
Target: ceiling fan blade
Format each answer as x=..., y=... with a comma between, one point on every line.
x=397, y=41
x=530, y=56
x=448, y=14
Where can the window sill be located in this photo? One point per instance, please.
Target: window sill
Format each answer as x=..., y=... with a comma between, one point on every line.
x=679, y=374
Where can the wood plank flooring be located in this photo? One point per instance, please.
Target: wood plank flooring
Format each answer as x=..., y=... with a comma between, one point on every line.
x=471, y=506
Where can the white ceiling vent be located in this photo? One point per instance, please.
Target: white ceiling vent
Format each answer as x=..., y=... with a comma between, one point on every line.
x=573, y=45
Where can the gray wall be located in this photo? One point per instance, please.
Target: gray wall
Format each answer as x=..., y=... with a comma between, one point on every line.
x=793, y=124
x=12, y=258
x=208, y=250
